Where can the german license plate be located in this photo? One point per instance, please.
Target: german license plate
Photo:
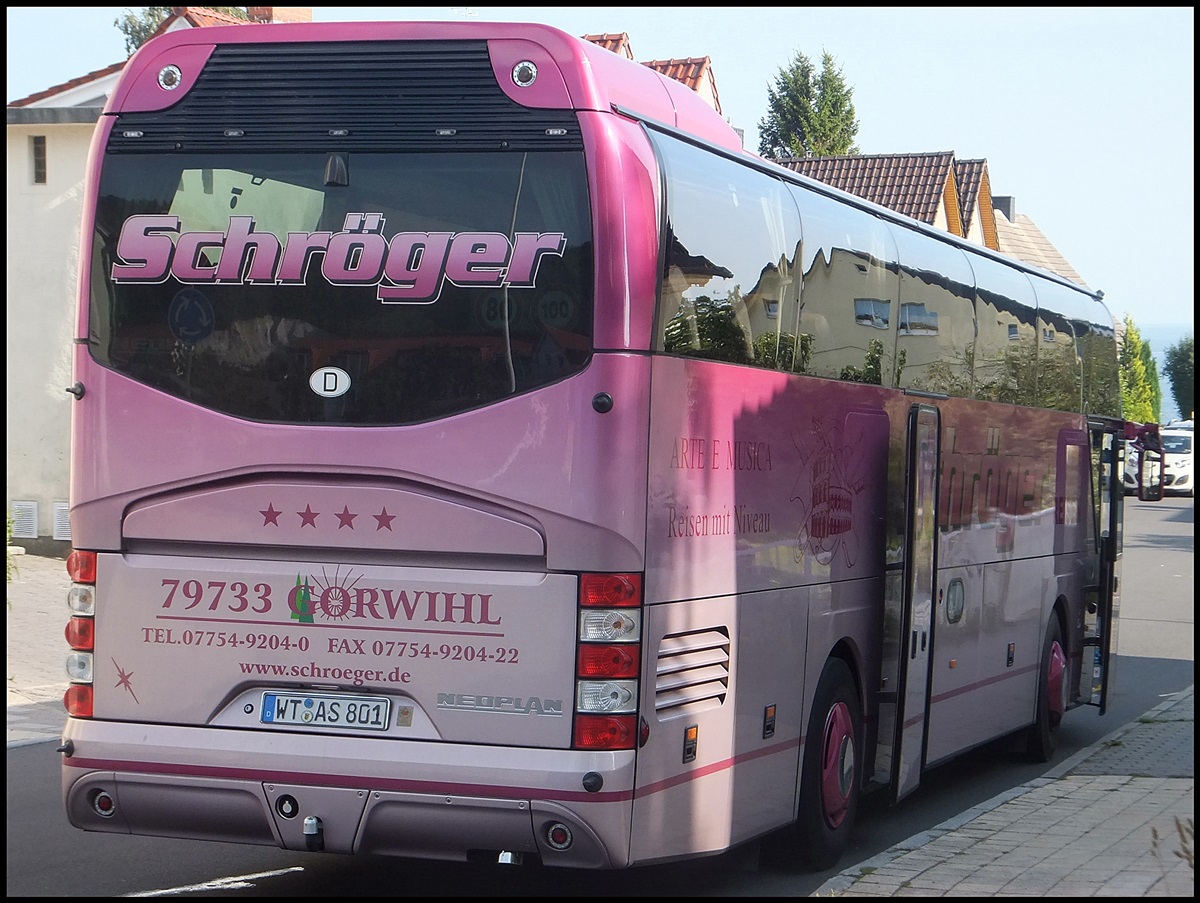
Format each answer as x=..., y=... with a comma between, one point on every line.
x=360, y=713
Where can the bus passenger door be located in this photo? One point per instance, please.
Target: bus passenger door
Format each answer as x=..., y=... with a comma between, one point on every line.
x=1101, y=617
x=920, y=578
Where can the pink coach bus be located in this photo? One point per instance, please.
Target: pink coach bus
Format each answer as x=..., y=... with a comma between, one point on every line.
x=477, y=454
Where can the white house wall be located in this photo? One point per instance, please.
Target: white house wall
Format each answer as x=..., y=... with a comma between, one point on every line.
x=43, y=242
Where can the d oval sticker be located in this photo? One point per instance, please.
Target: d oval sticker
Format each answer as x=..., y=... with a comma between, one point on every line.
x=329, y=382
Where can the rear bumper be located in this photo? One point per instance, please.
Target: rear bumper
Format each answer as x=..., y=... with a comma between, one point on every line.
x=414, y=799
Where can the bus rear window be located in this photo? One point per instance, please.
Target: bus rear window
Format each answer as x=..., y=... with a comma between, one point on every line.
x=343, y=288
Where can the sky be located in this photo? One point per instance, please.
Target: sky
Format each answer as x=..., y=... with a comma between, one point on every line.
x=1084, y=115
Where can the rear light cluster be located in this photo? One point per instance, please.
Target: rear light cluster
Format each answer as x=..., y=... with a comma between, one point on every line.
x=608, y=661
x=81, y=633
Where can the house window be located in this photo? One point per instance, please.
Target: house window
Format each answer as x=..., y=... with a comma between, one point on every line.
x=872, y=312
x=37, y=150
x=917, y=319
x=1013, y=335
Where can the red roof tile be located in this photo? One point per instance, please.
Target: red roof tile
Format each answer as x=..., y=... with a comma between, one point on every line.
x=197, y=17
x=617, y=43
x=969, y=175
x=912, y=184
x=691, y=71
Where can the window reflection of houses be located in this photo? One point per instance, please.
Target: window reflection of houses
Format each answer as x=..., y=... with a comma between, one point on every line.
x=873, y=312
x=1012, y=344
x=862, y=297
x=850, y=290
x=917, y=319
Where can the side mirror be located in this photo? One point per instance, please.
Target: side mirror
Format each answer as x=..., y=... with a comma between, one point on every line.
x=1150, y=488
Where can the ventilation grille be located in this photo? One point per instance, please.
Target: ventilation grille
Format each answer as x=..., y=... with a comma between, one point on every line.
x=376, y=96
x=692, y=672
x=24, y=519
x=62, y=521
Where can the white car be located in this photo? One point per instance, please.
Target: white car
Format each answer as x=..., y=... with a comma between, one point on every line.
x=1178, y=461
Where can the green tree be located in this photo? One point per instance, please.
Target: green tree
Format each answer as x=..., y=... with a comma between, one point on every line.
x=1137, y=393
x=1151, y=365
x=139, y=24
x=1179, y=361
x=872, y=368
x=1101, y=381
x=1010, y=378
x=809, y=114
x=708, y=329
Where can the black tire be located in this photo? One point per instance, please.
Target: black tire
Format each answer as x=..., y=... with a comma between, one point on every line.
x=831, y=777
x=1042, y=740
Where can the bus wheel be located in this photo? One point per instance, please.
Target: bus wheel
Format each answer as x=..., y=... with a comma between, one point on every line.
x=1042, y=740
x=831, y=780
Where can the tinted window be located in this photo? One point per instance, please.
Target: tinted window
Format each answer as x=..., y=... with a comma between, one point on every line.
x=849, y=296
x=343, y=288
x=728, y=289
x=935, y=341
x=1005, y=365
x=1077, y=353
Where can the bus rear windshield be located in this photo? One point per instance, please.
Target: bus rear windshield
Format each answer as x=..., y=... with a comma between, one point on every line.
x=343, y=288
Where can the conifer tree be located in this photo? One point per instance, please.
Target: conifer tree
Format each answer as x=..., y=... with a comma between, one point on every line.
x=1180, y=365
x=809, y=114
x=1137, y=395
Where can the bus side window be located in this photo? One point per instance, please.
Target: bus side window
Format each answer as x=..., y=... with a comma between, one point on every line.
x=727, y=279
x=706, y=322
x=1005, y=361
x=935, y=336
x=850, y=290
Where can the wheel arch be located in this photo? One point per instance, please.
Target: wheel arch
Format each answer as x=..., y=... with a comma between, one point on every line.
x=1059, y=610
x=847, y=650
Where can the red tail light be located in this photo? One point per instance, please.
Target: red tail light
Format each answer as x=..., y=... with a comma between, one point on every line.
x=610, y=590
x=81, y=633
x=608, y=661
x=81, y=566
x=605, y=731
x=78, y=700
